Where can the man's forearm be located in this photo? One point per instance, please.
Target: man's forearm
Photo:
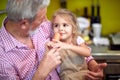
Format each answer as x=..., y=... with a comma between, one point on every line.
x=92, y=65
x=40, y=74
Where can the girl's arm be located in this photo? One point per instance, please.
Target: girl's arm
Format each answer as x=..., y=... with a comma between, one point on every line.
x=81, y=49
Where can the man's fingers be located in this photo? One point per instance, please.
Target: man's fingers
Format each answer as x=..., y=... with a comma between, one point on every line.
x=51, y=51
x=93, y=76
x=102, y=65
x=89, y=77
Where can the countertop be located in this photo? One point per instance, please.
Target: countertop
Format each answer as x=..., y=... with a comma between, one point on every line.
x=103, y=53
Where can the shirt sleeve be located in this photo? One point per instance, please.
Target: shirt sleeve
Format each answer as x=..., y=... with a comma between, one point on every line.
x=80, y=40
x=7, y=72
x=47, y=29
x=88, y=59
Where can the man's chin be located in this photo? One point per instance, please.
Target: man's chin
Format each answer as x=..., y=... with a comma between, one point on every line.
x=32, y=32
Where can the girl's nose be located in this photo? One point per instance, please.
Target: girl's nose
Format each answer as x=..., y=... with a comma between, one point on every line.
x=61, y=28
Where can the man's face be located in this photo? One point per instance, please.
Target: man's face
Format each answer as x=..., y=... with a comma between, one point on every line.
x=40, y=17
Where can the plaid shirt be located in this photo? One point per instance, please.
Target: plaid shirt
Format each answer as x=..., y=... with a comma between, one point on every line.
x=17, y=61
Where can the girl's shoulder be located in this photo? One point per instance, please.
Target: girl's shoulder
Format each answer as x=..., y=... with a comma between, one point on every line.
x=80, y=40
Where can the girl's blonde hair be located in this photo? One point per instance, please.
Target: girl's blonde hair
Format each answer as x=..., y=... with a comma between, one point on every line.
x=71, y=18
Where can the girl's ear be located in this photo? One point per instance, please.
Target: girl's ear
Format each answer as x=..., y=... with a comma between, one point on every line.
x=73, y=30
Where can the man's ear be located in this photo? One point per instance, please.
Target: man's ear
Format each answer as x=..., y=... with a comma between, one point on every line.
x=24, y=23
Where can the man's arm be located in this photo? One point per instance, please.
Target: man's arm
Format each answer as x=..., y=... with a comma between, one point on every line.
x=49, y=62
x=92, y=65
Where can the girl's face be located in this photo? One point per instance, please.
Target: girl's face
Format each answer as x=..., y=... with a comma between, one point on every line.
x=62, y=26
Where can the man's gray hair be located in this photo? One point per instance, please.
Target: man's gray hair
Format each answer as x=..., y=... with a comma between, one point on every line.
x=24, y=9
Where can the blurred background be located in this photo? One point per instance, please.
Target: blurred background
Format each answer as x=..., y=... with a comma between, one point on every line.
x=109, y=11
x=104, y=13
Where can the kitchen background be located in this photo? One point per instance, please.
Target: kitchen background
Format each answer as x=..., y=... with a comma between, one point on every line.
x=109, y=12
x=110, y=20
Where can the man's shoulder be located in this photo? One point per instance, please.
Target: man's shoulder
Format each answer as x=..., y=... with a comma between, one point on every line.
x=46, y=27
x=45, y=23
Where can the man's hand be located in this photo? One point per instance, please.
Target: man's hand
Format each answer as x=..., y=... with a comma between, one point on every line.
x=98, y=74
x=49, y=62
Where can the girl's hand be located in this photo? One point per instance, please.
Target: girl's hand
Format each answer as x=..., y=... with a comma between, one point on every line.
x=61, y=45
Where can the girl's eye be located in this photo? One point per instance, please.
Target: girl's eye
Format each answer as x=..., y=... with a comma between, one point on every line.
x=65, y=25
x=55, y=25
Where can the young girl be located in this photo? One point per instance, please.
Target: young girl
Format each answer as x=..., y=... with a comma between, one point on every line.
x=72, y=47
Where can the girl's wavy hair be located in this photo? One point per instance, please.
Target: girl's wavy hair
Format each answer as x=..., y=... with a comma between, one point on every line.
x=71, y=18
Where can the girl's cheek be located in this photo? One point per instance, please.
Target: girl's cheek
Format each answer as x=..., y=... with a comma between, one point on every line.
x=56, y=30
